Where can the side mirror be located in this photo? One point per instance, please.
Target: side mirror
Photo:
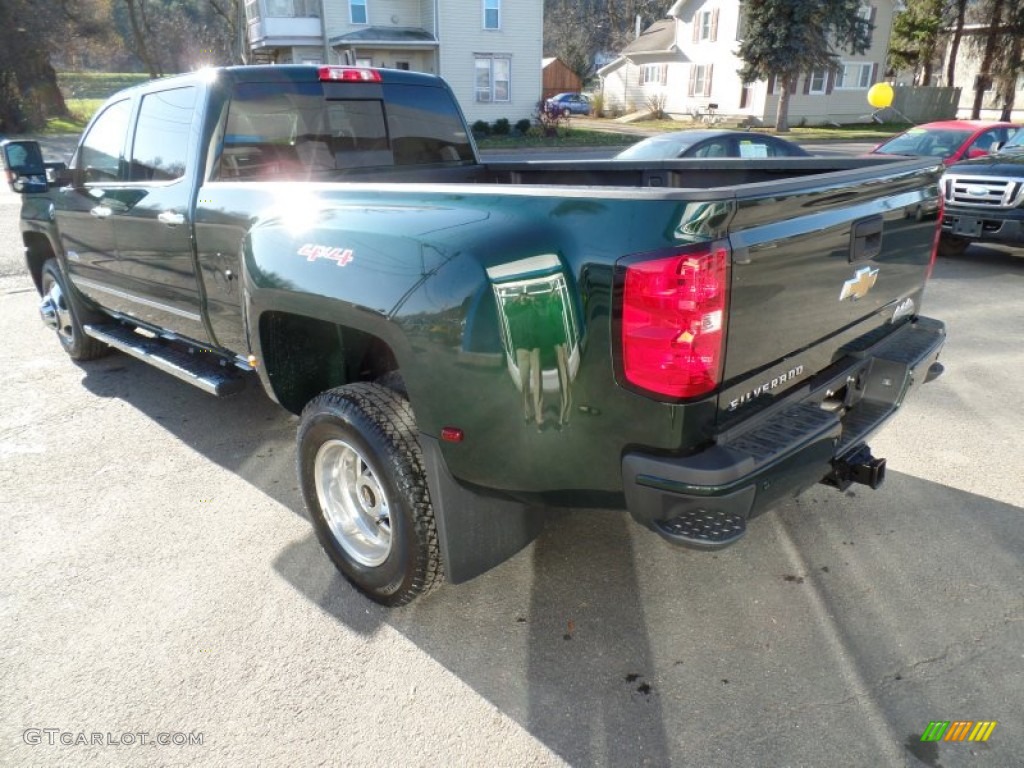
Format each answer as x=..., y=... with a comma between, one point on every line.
x=973, y=153
x=23, y=163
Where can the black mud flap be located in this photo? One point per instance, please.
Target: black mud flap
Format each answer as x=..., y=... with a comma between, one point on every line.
x=476, y=532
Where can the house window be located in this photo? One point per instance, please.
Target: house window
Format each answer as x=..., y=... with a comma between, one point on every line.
x=252, y=10
x=817, y=81
x=654, y=74
x=865, y=12
x=492, y=14
x=854, y=76
x=705, y=26
x=357, y=11
x=493, y=79
x=700, y=80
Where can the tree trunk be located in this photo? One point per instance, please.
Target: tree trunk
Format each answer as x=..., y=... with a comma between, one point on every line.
x=782, y=113
x=984, y=77
x=1008, y=82
x=926, y=73
x=141, y=48
x=954, y=45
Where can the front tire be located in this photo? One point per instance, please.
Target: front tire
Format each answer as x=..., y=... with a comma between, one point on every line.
x=61, y=312
x=951, y=245
x=363, y=481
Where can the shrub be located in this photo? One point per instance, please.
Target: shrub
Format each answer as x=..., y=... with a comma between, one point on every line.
x=597, y=104
x=501, y=127
x=481, y=128
x=523, y=126
x=656, y=104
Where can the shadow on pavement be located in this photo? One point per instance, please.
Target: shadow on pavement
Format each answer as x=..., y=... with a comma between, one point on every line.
x=841, y=624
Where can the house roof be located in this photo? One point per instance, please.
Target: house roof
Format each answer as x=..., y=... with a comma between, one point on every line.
x=660, y=36
x=389, y=35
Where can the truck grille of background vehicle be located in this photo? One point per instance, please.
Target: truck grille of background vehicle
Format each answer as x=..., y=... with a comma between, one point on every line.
x=202, y=369
x=702, y=529
x=982, y=191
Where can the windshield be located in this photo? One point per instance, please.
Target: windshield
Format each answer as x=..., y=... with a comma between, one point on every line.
x=1015, y=144
x=653, y=150
x=940, y=142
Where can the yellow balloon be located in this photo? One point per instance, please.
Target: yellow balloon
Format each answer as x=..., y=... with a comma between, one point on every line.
x=880, y=95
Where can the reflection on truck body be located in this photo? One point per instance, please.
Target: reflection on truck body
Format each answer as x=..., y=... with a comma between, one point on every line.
x=539, y=332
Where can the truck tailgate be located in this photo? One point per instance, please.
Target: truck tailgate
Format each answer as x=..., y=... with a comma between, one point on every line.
x=818, y=273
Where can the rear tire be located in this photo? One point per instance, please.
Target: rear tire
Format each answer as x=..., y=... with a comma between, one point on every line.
x=66, y=315
x=951, y=245
x=363, y=481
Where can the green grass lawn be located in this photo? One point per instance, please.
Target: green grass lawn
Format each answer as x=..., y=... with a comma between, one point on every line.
x=571, y=137
x=97, y=85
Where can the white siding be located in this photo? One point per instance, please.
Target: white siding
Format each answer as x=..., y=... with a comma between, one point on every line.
x=462, y=36
x=622, y=85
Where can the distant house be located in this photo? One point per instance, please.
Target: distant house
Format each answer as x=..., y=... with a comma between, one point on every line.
x=558, y=78
x=487, y=50
x=689, y=61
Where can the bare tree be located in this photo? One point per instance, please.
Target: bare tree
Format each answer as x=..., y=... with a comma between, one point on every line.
x=960, y=9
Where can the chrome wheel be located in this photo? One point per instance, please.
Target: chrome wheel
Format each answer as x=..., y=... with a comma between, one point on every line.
x=354, y=503
x=56, y=314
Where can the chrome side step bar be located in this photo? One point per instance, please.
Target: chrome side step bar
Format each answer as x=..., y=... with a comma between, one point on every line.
x=200, y=370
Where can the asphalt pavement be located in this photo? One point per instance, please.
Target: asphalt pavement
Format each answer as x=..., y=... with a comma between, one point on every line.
x=161, y=578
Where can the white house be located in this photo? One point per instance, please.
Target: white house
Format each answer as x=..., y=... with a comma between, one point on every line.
x=688, y=60
x=489, y=51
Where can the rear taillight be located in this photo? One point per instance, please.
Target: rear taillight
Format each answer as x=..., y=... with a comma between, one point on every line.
x=350, y=74
x=673, y=322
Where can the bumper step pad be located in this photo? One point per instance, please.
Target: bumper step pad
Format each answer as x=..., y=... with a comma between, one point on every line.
x=701, y=529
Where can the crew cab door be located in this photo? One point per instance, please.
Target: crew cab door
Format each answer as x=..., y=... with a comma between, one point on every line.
x=156, y=265
x=125, y=221
x=85, y=208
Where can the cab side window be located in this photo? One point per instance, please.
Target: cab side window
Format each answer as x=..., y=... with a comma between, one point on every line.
x=160, y=149
x=99, y=157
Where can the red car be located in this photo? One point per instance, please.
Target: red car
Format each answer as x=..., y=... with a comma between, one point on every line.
x=952, y=140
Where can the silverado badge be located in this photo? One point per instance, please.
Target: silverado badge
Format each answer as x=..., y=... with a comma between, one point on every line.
x=859, y=285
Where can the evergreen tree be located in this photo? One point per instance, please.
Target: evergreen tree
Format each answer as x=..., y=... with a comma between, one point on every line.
x=786, y=38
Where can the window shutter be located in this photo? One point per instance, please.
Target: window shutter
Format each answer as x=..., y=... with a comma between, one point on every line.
x=714, y=25
x=771, y=85
x=744, y=93
x=693, y=80
x=830, y=81
x=871, y=17
x=874, y=72
x=807, y=82
x=707, y=79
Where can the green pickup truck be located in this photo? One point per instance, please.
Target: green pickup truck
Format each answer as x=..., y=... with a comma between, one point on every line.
x=468, y=343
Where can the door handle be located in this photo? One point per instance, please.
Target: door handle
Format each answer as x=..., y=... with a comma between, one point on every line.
x=101, y=211
x=866, y=239
x=171, y=219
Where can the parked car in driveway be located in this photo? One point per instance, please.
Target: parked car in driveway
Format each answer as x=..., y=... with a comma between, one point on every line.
x=568, y=104
x=952, y=140
x=711, y=143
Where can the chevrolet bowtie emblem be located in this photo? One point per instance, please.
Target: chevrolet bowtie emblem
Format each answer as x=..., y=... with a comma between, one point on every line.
x=858, y=286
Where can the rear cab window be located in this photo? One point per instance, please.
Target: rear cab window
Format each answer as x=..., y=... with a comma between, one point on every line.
x=305, y=130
